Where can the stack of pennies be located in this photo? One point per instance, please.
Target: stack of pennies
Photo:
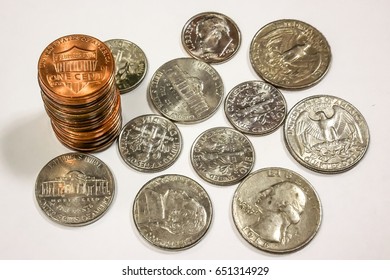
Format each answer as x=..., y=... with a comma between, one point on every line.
x=76, y=74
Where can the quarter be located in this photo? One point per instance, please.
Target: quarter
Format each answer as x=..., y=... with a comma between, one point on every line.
x=290, y=54
x=326, y=134
x=276, y=210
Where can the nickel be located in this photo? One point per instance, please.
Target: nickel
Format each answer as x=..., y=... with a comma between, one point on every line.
x=172, y=212
x=186, y=90
x=74, y=189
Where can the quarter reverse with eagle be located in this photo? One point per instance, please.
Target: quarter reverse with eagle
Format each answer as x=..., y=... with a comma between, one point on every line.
x=326, y=134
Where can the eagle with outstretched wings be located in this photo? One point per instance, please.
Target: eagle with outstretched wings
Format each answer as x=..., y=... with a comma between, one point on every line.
x=323, y=129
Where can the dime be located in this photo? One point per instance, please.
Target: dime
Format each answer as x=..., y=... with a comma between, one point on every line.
x=150, y=143
x=186, y=90
x=130, y=64
x=211, y=37
x=74, y=189
x=326, y=134
x=290, y=54
x=172, y=212
x=255, y=107
x=222, y=156
x=276, y=210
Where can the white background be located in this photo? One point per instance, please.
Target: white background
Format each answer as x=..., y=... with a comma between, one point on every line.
x=356, y=203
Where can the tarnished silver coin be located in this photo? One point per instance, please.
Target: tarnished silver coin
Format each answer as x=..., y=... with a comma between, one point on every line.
x=222, y=156
x=172, y=212
x=276, y=210
x=290, y=54
x=75, y=189
x=255, y=107
x=326, y=134
x=150, y=143
x=186, y=90
x=131, y=64
x=211, y=37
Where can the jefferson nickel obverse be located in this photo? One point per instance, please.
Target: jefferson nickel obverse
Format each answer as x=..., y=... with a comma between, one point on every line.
x=172, y=212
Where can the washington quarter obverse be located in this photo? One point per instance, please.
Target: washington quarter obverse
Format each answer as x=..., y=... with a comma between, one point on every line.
x=74, y=189
x=276, y=210
x=326, y=134
x=222, y=156
x=130, y=64
x=255, y=107
x=290, y=54
x=186, y=90
x=172, y=212
x=150, y=143
x=211, y=37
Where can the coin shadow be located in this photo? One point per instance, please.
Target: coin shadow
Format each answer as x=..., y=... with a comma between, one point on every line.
x=27, y=144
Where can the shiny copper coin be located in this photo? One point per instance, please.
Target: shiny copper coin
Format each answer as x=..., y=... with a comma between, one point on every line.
x=75, y=67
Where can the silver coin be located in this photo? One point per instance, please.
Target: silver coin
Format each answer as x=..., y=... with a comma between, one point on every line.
x=75, y=189
x=255, y=107
x=222, y=156
x=290, y=54
x=211, y=37
x=150, y=143
x=326, y=134
x=130, y=64
x=186, y=90
x=172, y=212
x=276, y=210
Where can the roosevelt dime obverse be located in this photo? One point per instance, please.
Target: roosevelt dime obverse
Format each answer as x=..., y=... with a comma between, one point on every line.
x=150, y=143
x=74, y=189
x=326, y=134
x=211, y=37
x=276, y=210
x=172, y=212
x=290, y=54
x=186, y=90
x=255, y=107
x=130, y=64
x=222, y=156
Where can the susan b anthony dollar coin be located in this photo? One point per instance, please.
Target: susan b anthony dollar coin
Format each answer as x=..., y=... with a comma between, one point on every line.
x=326, y=134
x=276, y=210
x=255, y=108
x=222, y=156
x=150, y=143
x=131, y=64
x=186, y=90
x=211, y=37
x=75, y=189
x=172, y=212
x=290, y=54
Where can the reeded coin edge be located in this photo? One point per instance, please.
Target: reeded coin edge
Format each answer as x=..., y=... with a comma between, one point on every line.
x=285, y=251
